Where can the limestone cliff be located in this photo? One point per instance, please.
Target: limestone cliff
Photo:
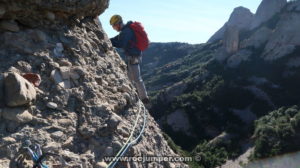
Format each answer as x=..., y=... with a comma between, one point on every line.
x=80, y=103
x=266, y=10
x=240, y=18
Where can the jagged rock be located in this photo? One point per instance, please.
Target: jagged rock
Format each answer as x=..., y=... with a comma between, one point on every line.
x=52, y=105
x=18, y=91
x=9, y=25
x=240, y=18
x=19, y=115
x=285, y=38
x=231, y=39
x=258, y=39
x=266, y=10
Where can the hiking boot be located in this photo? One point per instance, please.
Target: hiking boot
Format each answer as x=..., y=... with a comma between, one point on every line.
x=146, y=100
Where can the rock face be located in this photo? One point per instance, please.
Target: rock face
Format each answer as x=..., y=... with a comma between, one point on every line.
x=285, y=38
x=83, y=120
x=231, y=39
x=266, y=10
x=257, y=39
x=52, y=11
x=278, y=37
x=240, y=18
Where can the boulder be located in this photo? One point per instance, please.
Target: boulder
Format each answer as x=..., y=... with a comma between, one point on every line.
x=18, y=91
x=19, y=115
x=52, y=105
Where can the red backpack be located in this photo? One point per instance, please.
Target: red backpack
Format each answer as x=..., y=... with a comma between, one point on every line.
x=142, y=41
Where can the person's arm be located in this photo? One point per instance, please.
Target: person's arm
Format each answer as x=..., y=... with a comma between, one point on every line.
x=123, y=39
x=115, y=41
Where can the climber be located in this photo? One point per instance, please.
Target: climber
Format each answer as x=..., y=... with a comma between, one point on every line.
x=127, y=40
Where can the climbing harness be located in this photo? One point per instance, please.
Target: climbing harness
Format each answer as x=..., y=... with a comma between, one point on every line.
x=37, y=156
x=127, y=144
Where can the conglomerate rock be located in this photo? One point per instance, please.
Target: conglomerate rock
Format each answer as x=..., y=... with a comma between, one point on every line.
x=92, y=115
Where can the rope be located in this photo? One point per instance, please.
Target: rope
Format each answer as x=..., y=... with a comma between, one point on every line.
x=127, y=144
x=139, y=136
x=38, y=157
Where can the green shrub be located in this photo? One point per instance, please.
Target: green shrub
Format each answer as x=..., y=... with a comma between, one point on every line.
x=276, y=132
x=211, y=156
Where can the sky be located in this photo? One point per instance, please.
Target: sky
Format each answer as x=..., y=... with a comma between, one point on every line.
x=190, y=21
